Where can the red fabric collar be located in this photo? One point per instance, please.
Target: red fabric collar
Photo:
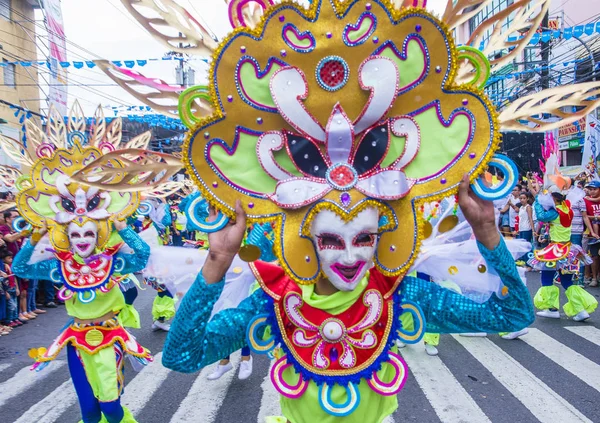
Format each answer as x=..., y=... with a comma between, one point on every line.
x=110, y=251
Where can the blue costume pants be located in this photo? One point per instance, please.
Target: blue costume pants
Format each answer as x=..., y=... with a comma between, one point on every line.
x=566, y=280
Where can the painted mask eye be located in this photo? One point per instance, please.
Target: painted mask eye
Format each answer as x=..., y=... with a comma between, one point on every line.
x=330, y=242
x=89, y=234
x=364, y=239
x=76, y=235
x=67, y=204
x=93, y=203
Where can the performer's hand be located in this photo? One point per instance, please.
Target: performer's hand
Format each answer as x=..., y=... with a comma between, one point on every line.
x=224, y=245
x=120, y=225
x=38, y=234
x=480, y=215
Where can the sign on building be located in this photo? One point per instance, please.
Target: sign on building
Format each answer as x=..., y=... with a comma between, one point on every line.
x=571, y=135
x=58, y=53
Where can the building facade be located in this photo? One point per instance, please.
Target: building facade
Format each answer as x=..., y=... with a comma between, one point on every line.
x=561, y=60
x=18, y=84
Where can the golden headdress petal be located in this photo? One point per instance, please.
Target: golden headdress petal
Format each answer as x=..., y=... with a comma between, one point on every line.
x=340, y=62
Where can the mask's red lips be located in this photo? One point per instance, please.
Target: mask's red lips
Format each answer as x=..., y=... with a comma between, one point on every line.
x=82, y=247
x=348, y=273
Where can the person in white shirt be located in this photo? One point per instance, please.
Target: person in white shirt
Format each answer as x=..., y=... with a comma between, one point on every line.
x=511, y=211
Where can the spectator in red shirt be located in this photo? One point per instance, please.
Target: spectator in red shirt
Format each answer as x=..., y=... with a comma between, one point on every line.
x=591, y=217
x=12, y=238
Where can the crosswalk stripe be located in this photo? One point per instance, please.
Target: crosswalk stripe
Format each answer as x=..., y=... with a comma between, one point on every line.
x=52, y=406
x=582, y=367
x=137, y=393
x=269, y=403
x=545, y=404
x=4, y=366
x=205, y=397
x=141, y=388
x=588, y=332
x=24, y=380
x=448, y=398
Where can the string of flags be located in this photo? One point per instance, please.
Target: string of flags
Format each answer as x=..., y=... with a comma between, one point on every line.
x=90, y=64
x=565, y=33
x=544, y=37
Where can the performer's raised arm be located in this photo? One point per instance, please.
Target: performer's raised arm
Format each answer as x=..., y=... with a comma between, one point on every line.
x=195, y=340
x=446, y=311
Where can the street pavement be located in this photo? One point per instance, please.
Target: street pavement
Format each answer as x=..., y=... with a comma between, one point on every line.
x=550, y=375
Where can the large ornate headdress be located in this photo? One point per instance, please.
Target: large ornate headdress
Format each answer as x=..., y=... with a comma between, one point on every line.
x=351, y=104
x=72, y=175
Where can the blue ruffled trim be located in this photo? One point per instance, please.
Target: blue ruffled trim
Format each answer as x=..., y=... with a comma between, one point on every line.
x=340, y=380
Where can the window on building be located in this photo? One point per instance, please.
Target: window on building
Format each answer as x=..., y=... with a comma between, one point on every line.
x=574, y=157
x=5, y=6
x=9, y=71
x=494, y=7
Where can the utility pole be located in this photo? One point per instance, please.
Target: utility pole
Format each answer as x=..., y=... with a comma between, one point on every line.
x=545, y=81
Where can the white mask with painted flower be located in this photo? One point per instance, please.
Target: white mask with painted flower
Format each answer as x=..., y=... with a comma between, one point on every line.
x=345, y=249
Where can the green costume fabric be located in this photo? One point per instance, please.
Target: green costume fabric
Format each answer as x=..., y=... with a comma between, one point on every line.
x=546, y=298
x=579, y=300
x=102, y=367
x=558, y=232
x=163, y=307
x=432, y=339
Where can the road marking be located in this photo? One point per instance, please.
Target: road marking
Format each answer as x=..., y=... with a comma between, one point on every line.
x=582, y=367
x=4, y=366
x=588, y=332
x=205, y=397
x=137, y=394
x=446, y=395
x=141, y=388
x=52, y=406
x=545, y=404
x=269, y=403
x=24, y=380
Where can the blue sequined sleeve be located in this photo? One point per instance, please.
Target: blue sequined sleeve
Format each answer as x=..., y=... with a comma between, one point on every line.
x=544, y=215
x=39, y=270
x=141, y=252
x=166, y=220
x=449, y=312
x=193, y=341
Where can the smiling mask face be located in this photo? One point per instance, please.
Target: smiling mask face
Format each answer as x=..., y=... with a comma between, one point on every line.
x=83, y=239
x=345, y=249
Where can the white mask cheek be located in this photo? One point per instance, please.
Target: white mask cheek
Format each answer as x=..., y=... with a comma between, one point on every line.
x=327, y=258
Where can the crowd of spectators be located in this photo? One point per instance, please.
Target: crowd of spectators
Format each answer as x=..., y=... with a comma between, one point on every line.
x=21, y=300
x=517, y=219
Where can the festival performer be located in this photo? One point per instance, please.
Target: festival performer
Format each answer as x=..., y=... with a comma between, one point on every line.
x=154, y=218
x=334, y=138
x=72, y=245
x=560, y=256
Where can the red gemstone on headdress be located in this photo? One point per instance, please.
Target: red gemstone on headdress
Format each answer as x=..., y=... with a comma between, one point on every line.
x=332, y=73
x=342, y=176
